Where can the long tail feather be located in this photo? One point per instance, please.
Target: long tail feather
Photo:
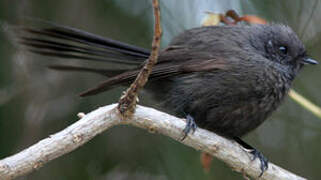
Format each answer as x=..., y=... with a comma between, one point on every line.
x=66, y=42
x=104, y=72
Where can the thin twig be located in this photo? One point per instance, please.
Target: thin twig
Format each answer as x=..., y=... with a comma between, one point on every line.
x=305, y=103
x=128, y=101
x=155, y=121
x=305, y=26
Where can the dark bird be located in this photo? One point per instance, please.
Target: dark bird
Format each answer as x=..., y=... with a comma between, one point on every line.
x=226, y=79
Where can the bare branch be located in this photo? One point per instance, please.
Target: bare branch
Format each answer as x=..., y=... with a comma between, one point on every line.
x=128, y=101
x=155, y=121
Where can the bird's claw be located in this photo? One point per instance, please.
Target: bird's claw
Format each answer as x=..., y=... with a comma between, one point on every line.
x=263, y=160
x=264, y=163
x=190, y=125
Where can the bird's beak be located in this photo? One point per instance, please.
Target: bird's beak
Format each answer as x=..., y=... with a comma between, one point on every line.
x=307, y=60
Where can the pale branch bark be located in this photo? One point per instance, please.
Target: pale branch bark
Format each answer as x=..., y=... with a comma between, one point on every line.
x=128, y=101
x=154, y=121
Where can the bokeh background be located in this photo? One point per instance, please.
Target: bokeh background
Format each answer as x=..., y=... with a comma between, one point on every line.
x=36, y=102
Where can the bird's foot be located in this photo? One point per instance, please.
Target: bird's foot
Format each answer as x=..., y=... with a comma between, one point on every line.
x=264, y=163
x=190, y=125
x=263, y=160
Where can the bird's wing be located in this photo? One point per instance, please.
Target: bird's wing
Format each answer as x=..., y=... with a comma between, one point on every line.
x=160, y=71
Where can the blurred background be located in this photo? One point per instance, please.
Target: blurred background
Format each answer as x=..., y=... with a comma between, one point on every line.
x=36, y=102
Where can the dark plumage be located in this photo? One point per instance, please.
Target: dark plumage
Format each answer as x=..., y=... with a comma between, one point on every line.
x=227, y=78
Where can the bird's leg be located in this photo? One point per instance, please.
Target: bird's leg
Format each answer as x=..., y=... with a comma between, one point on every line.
x=256, y=154
x=190, y=125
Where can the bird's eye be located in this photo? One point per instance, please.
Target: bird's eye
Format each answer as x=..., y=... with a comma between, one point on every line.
x=283, y=49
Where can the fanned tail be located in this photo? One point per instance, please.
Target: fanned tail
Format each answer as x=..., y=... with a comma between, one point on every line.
x=66, y=42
